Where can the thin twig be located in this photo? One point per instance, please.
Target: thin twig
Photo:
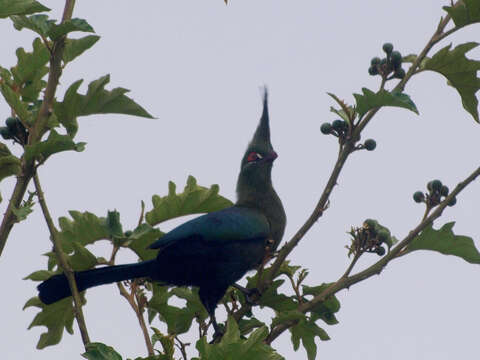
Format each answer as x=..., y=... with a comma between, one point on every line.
x=63, y=262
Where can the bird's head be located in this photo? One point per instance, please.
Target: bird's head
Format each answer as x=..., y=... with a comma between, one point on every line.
x=256, y=166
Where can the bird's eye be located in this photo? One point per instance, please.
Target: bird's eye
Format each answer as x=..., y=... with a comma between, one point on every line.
x=253, y=156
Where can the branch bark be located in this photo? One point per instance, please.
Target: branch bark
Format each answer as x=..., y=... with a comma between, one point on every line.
x=37, y=130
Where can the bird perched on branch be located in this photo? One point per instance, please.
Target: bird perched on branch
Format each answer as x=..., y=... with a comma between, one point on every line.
x=212, y=251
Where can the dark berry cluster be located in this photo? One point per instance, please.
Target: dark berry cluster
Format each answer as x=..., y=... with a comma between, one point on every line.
x=391, y=64
x=370, y=238
x=14, y=130
x=436, y=191
x=337, y=128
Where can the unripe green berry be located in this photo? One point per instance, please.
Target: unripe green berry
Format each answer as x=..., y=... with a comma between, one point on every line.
x=387, y=47
x=375, y=61
x=338, y=125
x=452, y=202
x=396, y=59
x=436, y=185
x=444, y=190
x=5, y=133
x=372, y=70
x=326, y=128
x=370, y=144
x=418, y=196
x=128, y=233
x=11, y=123
x=380, y=251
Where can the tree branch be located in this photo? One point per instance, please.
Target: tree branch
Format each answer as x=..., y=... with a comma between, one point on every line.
x=63, y=262
x=345, y=282
x=37, y=130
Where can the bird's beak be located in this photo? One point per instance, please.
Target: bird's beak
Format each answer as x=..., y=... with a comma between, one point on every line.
x=271, y=156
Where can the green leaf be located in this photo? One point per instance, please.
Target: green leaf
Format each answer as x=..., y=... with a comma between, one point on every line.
x=76, y=47
x=40, y=24
x=446, y=242
x=287, y=316
x=195, y=199
x=460, y=72
x=248, y=325
x=68, y=26
x=55, y=317
x=13, y=99
x=113, y=224
x=30, y=70
x=370, y=100
x=167, y=341
x=99, y=351
x=20, y=7
x=82, y=258
x=272, y=299
x=158, y=300
x=193, y=301
x=22, y=212
x=142, y=237
x=40, y=275
x=178, y=320
x=306, y=331
x=55, y=143
x=465, y=12
x=326, y=309
x=346, y=112
x=9, y=165
x=232, y=347
x=97, y=100
x=86, y=228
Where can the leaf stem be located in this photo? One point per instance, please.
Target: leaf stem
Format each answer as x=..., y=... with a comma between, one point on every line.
x=62, y=261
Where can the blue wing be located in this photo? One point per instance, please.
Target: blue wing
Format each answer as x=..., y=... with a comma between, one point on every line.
x=231, y=224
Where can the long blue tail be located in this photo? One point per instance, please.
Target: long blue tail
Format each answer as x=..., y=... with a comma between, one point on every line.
x=57, y=288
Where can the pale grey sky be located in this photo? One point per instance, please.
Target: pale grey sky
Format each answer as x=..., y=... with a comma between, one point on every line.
x=198, y=66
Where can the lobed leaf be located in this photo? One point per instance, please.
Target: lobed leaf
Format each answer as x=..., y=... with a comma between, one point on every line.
x=40, y=24
x=76, y=47
x=370, y=100
x=307, y=331
x=460, y=72
x=97, y=100
x=9, y=165
x=13, y=99
x=466, y=12
x=446, y=242
x=55, y=143
x=56, y=317
x=140, y=240
x=68, y=26
x=195, y=199
x=20, y=7
x=99, y=351
x=232, y=347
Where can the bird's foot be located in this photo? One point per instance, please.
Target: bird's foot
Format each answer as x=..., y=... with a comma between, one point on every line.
x=251, y=294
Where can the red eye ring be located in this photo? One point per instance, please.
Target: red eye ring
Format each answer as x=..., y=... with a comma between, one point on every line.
x=253, y=156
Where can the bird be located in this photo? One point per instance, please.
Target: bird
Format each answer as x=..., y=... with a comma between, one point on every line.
x=214, y=250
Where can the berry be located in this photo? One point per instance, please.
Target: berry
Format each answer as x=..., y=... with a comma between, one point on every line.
x=380, y=251
x=444, y=190
x=436, y=185
x=399, y=73
x=372, y=70
x=326, y=128
x=11, y=123
x=370, y=144
x=5, y=133
x=418, y=196
x=452, y=202
x=338, y=125
x=375, y=61
x=387, y=47
x=128, y=233
x=396, y=59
